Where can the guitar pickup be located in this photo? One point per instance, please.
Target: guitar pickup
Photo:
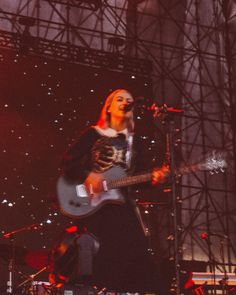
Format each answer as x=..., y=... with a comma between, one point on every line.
x=81, y=191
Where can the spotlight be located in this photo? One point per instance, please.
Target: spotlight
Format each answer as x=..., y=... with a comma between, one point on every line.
x=26, y=40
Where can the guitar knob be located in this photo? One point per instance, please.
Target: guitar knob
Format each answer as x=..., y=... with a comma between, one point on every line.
x=75, y=204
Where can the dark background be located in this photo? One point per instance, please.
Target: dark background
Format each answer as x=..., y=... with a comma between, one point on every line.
x=45, y=104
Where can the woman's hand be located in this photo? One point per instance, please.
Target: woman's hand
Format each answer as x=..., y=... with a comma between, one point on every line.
x=159, y=174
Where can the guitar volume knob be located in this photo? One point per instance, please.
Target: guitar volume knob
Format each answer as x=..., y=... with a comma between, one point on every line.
x=75, y=204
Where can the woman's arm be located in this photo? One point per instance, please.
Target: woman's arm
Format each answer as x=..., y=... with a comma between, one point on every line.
x=76, y=162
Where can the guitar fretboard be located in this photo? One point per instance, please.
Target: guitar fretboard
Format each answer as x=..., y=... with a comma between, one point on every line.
x=136, y=179
x=129, y=180
x=209, y=165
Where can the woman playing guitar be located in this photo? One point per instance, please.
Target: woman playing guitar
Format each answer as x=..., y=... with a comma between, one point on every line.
x=102, y=154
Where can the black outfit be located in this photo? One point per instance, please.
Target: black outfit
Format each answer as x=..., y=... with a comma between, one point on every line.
x=122, y=262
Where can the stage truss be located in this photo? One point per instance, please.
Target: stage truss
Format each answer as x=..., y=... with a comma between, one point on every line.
x=187, y=48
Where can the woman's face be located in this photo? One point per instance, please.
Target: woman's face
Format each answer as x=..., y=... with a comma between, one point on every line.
x=119, y=103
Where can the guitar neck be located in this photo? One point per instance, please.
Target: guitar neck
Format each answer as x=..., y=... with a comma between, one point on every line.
x=207, y=165
x=141, y=178
x=129, y=180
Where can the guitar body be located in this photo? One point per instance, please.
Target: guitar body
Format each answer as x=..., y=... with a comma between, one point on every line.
x=81, y=200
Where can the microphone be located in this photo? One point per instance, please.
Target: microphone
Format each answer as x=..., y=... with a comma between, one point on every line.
x=140, y=100
x=205, y=235
x=129, y=107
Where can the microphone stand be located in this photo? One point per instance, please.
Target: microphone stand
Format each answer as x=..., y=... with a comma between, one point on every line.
x=31, y=277
x=11, y=265
x=224, y=281
x=212, y=262
x=167, y=115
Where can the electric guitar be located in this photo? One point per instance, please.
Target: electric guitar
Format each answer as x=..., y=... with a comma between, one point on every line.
x=79, y=200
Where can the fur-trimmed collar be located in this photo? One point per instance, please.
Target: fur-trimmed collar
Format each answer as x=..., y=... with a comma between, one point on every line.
x=111, y=132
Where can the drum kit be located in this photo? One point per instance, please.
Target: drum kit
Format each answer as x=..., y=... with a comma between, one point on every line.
x=57, y=263
x=31, y=285
x=16, y=257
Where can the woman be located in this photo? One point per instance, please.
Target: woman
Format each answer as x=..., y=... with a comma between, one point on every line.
x=122, y=262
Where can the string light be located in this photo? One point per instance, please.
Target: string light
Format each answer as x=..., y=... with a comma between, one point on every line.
x=42, y=114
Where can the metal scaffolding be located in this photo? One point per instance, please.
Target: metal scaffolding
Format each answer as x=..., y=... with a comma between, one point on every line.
x=187, y=48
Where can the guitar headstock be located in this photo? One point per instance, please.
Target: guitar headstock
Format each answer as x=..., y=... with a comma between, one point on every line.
x=214, y=162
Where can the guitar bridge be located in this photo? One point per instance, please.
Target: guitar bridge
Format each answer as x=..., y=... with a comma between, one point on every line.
x=104, y=184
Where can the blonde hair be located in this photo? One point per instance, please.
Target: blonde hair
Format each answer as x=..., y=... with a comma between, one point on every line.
x=104, y=119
